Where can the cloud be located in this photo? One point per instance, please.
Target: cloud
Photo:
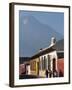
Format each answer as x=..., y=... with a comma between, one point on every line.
x=25, y=21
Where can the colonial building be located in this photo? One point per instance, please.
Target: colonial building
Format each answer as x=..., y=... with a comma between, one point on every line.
x=48, y=61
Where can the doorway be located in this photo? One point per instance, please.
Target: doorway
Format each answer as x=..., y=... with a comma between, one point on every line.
x=37, y=68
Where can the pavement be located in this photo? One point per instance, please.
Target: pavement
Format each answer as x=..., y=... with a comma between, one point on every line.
x=23, y=76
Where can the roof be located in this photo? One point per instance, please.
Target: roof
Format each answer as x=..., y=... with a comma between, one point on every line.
x=59, y=46
x=60, y=54
x=42, y=52
x=23, y=59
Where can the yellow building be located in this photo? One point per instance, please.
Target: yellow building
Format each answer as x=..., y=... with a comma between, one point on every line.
x=34, y=63
x=45, y=59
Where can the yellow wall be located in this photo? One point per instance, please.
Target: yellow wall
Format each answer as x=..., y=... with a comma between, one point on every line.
x=34, y=69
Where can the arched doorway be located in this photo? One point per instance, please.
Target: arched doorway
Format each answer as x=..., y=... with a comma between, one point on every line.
x=55, y=73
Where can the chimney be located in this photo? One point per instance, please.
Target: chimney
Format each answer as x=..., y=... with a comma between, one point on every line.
x=40, y=49
x=53, y=41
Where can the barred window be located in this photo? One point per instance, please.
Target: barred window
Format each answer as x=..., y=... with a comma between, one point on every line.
x=49, y=62
x=40, y=63
x=44, y=62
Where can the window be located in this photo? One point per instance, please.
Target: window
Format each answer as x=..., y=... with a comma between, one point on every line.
x=49, y=63
x=54, y=64
x=40, y=63
x=44, y=62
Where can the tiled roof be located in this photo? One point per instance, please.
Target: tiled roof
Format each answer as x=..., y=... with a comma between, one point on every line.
x=59, y=46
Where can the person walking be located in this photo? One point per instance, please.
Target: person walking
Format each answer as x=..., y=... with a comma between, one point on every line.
x=46, y=73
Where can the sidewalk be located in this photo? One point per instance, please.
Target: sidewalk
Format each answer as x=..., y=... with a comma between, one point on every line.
x=24, y=76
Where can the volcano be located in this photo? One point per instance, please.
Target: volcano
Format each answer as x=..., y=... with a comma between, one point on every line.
x=34, y=35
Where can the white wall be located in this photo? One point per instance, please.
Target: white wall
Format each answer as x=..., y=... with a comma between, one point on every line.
x=53, y=55
x=4, y=43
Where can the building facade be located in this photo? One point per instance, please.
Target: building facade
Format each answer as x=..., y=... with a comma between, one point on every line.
x=48, y=62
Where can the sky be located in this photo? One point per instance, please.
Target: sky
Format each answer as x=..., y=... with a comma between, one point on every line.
x=29, y=20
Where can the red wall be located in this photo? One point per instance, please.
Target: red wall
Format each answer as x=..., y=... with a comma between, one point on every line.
x=21, y=69
x=60, y=65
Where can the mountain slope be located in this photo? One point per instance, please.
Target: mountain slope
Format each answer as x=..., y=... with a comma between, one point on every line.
x=34, y=35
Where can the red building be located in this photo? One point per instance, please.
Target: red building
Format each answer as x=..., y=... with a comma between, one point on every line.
x=60, y=65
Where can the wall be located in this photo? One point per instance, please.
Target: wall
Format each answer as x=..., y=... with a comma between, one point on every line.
x=60, y=65
x=34, y=66
x=21, y=68
x=4, y=44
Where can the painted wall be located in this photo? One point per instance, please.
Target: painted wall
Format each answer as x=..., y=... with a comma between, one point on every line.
x=34, y=66
x=21, y=69
x=60, y=65
x=52, y=56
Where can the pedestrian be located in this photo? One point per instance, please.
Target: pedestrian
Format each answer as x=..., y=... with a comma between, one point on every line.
x=46, y=73
x=55, y=73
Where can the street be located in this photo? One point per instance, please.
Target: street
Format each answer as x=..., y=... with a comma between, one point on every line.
x=23, y=76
